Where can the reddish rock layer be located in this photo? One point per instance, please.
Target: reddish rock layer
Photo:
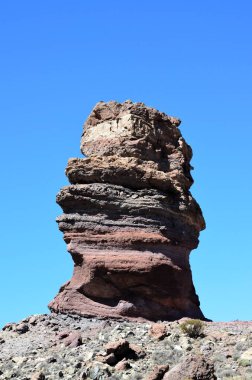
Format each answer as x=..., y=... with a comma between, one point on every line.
x=129, y=219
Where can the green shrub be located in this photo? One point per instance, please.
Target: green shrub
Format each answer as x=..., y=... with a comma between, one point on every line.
x=244, y=362
x=192, y=327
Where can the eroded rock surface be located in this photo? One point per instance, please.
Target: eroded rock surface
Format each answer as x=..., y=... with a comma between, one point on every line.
x=130, y=221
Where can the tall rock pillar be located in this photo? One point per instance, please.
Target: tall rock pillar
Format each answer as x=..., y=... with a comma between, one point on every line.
x=130, y=221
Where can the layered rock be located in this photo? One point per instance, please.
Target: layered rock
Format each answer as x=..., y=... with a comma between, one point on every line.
x=130, y=221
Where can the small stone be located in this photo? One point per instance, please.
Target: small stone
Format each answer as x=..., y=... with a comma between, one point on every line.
x=38, y=376
x=22, y=328
x=9, y=326
x=71, y=370
x=19, y=360
x=122, y=365
x=119, y=348
x=73, y=340
x=52, y=360
x=33, y=320
x=136, y=352
x=207, y=347
x=158, y=372
x=110, y=359
x=158, y=331
x=94, y=372
x=89, y=356
x=63, y=335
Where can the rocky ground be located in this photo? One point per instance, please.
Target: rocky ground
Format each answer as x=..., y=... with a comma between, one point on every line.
x=58, y=346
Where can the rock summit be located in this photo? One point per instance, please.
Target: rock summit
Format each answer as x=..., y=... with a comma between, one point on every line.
x=129, y=219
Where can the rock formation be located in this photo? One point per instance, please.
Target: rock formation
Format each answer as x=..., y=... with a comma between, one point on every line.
x=130, y=221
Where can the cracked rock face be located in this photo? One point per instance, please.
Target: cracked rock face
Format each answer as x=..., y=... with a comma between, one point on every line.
x=130, y=221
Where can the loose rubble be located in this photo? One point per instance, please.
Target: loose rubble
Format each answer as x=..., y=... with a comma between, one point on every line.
x=58, y=346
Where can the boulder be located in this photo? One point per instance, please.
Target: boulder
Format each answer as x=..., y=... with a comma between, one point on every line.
x=192, y=368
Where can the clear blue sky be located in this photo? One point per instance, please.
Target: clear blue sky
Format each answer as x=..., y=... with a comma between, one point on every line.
x=190, y=59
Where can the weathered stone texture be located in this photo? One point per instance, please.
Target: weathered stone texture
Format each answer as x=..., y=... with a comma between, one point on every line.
x=129, y=218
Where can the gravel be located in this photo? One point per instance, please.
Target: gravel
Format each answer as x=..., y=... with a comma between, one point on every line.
x=58, y=346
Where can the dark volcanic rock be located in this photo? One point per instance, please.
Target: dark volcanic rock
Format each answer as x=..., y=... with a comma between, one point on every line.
x=129, y=218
